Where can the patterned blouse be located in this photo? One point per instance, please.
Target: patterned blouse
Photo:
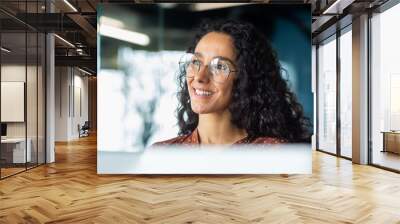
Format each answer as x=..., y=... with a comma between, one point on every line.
x=193, y=138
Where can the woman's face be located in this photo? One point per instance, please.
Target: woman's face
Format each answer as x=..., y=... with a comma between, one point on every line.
x=207, y=95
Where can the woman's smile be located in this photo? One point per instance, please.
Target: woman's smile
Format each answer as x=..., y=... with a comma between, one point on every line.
x=201, y=93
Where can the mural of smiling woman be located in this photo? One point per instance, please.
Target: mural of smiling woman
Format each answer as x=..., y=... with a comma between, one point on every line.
x=232, y=90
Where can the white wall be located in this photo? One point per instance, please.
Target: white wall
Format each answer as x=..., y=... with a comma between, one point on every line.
x=62, y=81
x=80, y=103
x=16, y=72
x=71, y=93
x=33, y=126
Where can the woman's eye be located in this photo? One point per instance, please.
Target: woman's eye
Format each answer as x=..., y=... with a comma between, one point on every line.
x=222, y=67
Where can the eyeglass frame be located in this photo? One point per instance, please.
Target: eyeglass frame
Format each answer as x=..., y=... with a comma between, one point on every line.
x=208, y=66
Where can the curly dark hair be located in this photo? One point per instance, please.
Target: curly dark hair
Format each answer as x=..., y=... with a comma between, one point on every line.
x=261, y=102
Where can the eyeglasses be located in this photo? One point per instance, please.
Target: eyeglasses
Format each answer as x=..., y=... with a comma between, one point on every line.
x=220, y=68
